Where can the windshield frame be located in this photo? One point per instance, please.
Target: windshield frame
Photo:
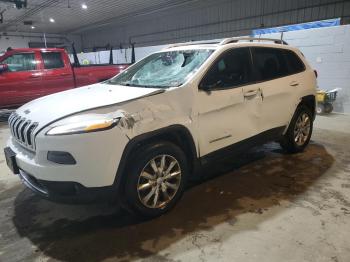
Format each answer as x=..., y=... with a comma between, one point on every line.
x=186, y=79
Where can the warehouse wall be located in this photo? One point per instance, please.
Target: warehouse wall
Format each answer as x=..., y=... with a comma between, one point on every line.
x=21, y=40
x=207, y=19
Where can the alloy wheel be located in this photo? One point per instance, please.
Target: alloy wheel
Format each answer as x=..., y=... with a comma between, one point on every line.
x=302, y=129
x=159, y=181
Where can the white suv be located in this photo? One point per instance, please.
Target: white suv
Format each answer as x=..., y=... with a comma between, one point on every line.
x=139, y=136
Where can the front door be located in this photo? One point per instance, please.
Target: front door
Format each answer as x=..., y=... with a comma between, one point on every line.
x=22, y=82
x=228, y=106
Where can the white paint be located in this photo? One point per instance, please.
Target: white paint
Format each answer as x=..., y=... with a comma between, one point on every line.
x=208, y=117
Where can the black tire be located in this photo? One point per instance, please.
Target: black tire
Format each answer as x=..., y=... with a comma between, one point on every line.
x=320, y=109
x=288, y=142
x=328, y=108
x=141, y=160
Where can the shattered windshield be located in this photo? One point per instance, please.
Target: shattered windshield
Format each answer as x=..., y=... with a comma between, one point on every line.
x=165, y=69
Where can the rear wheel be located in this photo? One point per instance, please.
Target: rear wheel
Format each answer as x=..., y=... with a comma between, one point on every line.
x=320, y=109
x=299, y=131
x=328, y=108
x=156, y=179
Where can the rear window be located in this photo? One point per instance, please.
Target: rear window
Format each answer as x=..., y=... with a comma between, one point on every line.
x=52, y=60
x=295, y=65
x=269, y=63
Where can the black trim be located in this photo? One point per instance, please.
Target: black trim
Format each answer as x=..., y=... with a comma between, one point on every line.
x=66, y=192
x=144, y=138
x=10, y=158
x=60, y=157
x=239, y=147
x=310, y=102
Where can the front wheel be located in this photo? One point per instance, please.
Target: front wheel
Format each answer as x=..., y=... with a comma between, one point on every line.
x=299, y=131
x=156, y=179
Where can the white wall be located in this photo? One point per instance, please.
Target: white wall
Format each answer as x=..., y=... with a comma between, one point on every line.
x=119, y=56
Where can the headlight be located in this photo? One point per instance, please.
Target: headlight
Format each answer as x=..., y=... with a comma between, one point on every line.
x=77, y=125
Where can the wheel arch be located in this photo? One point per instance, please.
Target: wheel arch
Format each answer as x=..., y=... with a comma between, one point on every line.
x=310, y=102
x=177, y=134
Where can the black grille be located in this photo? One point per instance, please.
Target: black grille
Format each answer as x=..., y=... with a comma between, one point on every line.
x=22, y=130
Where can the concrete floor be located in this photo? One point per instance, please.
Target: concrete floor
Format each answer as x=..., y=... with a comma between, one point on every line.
x=267, y=206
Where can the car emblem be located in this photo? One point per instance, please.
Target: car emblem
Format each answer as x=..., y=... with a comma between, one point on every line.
x=27, y=111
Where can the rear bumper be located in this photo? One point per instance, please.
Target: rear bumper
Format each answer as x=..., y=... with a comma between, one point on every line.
x=67, y=192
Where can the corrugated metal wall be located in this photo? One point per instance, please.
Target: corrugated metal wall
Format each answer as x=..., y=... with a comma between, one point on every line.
x=204, y=19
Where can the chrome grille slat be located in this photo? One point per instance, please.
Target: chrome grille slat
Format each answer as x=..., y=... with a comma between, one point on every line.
x=17, y=124
x=22, y=130
x=25, y=132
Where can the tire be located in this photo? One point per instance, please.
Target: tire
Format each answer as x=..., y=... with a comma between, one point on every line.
x=299, y=133
x=320, y=109
x=142, y=183
x=328, y=108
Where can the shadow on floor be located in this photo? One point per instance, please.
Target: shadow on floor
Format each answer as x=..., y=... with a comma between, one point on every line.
x=255, y=184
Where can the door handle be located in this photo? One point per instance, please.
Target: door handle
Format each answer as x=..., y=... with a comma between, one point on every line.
x=251, y=93
x=294, y=83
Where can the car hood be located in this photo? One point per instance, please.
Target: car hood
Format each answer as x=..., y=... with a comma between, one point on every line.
x=50, y=108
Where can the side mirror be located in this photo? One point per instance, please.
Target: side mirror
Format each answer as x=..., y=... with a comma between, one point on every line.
x=3, y=68
x=207, y=87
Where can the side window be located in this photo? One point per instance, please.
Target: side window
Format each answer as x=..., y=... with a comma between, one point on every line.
x=269, y=63
x=20, y=62
x=295, y=65
x=52, y=60
x=231, y=70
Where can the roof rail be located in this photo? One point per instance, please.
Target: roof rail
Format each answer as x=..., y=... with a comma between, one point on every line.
x=228, y=41
x=251, y=39
x=214, y=42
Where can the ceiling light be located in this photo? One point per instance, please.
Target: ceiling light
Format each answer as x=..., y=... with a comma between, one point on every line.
x=32, y=27
x=52, y=20
x=84, y=6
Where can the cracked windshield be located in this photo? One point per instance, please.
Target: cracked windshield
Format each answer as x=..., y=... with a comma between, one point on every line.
x=162, y=70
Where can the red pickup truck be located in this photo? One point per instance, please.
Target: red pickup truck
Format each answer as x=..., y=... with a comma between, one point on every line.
x=29, y=73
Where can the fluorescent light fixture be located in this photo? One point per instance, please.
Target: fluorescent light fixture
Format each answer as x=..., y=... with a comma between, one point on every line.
x=52, y=20
x=84, y=6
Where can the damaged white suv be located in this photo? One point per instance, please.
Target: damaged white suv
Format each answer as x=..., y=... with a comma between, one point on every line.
x=141, y=135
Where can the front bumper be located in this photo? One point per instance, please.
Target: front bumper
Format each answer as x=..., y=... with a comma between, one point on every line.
x=93, y=175
x=67, y=192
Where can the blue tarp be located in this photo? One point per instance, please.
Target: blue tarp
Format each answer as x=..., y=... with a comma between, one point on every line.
x=317, y=24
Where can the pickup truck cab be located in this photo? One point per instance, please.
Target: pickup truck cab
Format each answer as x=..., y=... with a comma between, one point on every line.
x=141, y=135
x=29, y=73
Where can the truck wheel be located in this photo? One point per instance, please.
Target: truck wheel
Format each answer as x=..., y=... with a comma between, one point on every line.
x=299, y=131
x=328, y=108
x=320, y=109
x=156, y=179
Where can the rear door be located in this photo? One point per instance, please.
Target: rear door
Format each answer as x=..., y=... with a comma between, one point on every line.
x=278, y=84
x=225, y=115
x=22, y=82
x=58, y=75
